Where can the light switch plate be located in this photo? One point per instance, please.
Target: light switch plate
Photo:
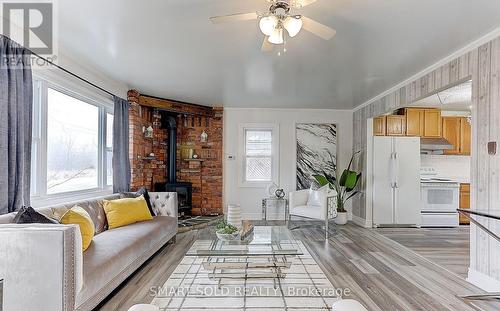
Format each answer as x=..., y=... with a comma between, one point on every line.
x=492, y=148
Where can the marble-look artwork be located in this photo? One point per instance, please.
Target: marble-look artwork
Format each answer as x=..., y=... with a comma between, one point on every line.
x=316, y=152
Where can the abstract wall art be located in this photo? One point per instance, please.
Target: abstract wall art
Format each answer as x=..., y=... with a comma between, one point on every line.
x=316, y=151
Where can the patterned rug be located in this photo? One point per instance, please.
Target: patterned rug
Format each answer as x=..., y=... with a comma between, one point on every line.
x=305, y=287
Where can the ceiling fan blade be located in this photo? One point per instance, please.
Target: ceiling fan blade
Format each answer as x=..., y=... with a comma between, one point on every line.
x=266, y=45
x=302, y=3
x=318, y=29
x=239, y=17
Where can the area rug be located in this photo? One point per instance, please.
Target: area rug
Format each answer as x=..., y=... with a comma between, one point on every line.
x=305, y=287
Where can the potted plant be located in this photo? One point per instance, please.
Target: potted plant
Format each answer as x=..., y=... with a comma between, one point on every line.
x=226, y=231
x=344, y=186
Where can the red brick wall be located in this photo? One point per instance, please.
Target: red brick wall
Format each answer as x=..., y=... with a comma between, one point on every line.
x=206, y=176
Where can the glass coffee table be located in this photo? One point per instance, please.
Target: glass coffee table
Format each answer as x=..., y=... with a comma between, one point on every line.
x=261, y=255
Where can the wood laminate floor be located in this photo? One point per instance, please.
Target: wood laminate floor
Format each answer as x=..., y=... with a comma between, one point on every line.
x=380, y=271
x=448, y=247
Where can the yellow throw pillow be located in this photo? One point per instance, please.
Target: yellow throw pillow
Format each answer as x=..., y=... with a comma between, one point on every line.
x=126, y=211
x=78, y=216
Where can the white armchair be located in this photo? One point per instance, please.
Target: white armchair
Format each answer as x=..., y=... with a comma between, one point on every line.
x=313, y=204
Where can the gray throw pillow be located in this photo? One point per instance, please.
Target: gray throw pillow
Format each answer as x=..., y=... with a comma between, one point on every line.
x=28, y=215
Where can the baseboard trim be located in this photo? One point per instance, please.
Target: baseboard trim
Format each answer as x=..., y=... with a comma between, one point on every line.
x=361, y=221
x=483, y=281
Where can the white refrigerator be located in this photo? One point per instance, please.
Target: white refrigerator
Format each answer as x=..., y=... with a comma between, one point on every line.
x=396, y=181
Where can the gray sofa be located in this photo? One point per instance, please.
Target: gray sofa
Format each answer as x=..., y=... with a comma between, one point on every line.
x=43, y=266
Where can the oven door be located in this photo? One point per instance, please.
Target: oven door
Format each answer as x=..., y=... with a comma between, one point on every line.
x=440, y=197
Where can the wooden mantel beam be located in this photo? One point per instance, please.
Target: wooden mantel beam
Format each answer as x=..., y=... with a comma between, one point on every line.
x=175, y=106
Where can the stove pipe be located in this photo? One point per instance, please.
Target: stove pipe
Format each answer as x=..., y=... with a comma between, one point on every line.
x=171, y=125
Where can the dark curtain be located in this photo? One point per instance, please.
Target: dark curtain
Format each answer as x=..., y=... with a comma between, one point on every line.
x=121, y=162
x=16, y=105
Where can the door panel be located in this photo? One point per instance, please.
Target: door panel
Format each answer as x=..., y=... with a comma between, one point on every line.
x=395, y=125
x=408, y=199
x=451, y=132
x=382, y=191
x=414, y=122
x=432, y=123
x=465, y=130
x=379, y=126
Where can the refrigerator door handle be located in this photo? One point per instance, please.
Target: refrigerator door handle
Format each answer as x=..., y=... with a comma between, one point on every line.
x=392, y=171
x=396, y=170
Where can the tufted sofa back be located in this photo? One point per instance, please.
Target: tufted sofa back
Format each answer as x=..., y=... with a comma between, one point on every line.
x=164, y=204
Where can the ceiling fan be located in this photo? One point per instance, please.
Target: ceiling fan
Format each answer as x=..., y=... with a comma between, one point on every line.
x=277, y=19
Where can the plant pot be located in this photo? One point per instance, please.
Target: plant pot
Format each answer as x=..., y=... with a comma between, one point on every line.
x=341, y=218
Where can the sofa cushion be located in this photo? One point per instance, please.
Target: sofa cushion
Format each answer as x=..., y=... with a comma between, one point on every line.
x=317, y=197
x=78, y=216
x=126, y=211
x=112, y=251
x=93, y=207
x=144, y=192
x=28, y=215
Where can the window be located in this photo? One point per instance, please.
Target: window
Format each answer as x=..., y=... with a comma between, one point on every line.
x=72, y=143
x=259, y=154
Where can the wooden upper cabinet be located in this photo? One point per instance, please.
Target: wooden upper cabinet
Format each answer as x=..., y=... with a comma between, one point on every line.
x=414, y=122
x=379, y=124
x=451, y=132
x=395, y=125
x=465, y=135
x=457, y=131
x=432, y=123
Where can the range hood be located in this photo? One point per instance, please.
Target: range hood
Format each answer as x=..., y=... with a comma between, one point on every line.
x=434, y=145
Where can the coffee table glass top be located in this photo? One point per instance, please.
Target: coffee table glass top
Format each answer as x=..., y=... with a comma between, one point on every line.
x=265, y=241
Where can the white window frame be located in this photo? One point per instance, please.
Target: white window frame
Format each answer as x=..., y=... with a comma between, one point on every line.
x=274, y=128
x=41, y=84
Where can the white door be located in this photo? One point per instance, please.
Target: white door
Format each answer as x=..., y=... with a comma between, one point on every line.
x=383, y=196
x=407, y=195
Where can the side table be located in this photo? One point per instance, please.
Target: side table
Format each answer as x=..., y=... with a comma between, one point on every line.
x=277, y=201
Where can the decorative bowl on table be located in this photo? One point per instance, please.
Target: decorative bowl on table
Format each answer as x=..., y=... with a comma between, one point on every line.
x=226, y=231
x=228, y=236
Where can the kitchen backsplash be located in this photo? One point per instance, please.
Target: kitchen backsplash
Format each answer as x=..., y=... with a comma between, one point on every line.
x=453, y=167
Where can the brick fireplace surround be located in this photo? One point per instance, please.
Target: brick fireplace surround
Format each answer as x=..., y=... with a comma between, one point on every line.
x=205, y=173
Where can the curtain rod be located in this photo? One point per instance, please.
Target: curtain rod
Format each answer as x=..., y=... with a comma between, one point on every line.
x=62, y=68
x=72, y=74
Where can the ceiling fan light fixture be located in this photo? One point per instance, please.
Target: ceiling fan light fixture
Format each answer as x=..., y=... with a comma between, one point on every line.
x=267, y=24
x=293, y=25
x=276, y=36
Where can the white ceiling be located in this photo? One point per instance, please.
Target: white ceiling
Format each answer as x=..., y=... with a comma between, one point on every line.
x=457, y=98
x=168, y=48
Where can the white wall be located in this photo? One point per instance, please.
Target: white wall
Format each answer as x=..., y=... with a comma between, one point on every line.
x=250, y=198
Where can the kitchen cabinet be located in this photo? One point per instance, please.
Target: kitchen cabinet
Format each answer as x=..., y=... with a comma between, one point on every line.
x=432, y=123
x=422, y=122
x=451, y=132
x=464, y=201
x=395, y=125
x=379, y=124
x=414, y=122
x=465, y=134
x=457, y=131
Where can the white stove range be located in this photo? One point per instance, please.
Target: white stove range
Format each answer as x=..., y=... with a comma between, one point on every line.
x=440, y=199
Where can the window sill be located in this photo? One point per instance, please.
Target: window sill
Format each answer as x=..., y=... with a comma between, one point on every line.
x=256, y=184
x=68, y=198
